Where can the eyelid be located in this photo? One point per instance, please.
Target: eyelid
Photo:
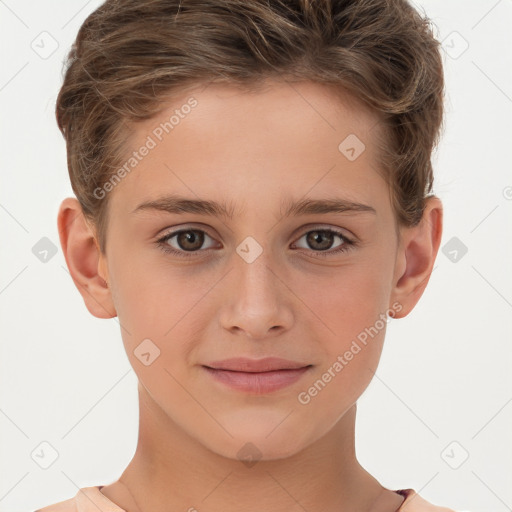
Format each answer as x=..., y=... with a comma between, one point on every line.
x=173, y=232
x=184, y=227
x=327, y=227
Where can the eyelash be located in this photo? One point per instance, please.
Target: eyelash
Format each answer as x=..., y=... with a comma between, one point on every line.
x=344, y=247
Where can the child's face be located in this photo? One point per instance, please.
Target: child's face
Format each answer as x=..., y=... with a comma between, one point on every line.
x=256, y=153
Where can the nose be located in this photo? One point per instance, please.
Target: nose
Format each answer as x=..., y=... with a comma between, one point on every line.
x=258, y=302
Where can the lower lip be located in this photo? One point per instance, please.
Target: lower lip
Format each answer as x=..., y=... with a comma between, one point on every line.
x=257, y=382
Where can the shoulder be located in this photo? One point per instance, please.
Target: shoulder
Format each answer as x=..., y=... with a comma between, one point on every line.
x=415, y=503
x=87, y=499
x=62, y=506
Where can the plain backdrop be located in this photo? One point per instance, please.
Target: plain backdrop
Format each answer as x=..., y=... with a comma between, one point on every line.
x=438, y=415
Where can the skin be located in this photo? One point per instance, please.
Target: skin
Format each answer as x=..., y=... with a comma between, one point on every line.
x=252, y=150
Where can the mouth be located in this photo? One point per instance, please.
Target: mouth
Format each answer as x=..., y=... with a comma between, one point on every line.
x=257, y=376
x=248, y=365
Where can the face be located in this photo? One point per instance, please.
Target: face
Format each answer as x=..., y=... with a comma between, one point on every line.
x=193, y=286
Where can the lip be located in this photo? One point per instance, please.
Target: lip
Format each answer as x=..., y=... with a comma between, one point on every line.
x=246, y=364
x=256, y=376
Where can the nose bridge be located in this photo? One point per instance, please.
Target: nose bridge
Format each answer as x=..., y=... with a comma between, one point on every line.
x=254, y=276
x=257, y=300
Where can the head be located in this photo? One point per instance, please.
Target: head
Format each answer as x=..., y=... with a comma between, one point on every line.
x=252, y=179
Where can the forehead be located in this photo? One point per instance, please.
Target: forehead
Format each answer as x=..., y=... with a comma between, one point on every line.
x=322, y=106
x=218, y=138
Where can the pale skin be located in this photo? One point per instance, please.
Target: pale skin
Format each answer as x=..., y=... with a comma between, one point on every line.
x=252, y=151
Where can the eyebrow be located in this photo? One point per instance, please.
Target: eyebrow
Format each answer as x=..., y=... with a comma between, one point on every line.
x=180, y=205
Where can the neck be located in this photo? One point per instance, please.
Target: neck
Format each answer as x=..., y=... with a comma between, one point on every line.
x=172, y=471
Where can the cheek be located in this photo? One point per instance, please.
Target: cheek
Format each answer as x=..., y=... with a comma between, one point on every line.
x=152, y=297
x=349, y=323
x=337, y=386
x=351, y=351
x=161, y=312
x=343, y=303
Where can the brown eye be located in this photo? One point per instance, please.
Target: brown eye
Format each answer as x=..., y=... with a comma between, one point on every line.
x=185, y=241
x=320, y=240
x=190, y=240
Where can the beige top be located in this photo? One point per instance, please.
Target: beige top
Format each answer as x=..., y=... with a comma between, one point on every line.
x=90, y=499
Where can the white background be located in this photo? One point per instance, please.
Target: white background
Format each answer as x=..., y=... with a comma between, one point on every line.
x=445, y=374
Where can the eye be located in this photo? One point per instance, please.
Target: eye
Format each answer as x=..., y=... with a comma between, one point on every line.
x=321, y=240
x=182, y=241
x=185, y=242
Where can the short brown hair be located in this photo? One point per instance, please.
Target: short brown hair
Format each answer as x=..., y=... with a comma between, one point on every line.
x=131, y=54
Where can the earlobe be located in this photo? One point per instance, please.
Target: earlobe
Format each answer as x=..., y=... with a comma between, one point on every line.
x=83, y=259
x=416, y=256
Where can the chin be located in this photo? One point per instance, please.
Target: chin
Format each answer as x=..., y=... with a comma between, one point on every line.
x=259, y=440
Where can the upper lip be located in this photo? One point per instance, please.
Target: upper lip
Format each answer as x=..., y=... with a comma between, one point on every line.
x=245, y=364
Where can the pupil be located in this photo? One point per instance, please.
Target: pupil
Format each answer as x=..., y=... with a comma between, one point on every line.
x=190, y=240
x=316, y=235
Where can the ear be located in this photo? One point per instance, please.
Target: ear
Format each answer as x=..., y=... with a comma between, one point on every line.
x=85, y=262
x=417, y=251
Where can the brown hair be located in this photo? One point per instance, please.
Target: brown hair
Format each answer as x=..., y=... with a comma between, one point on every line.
x=131, y=54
